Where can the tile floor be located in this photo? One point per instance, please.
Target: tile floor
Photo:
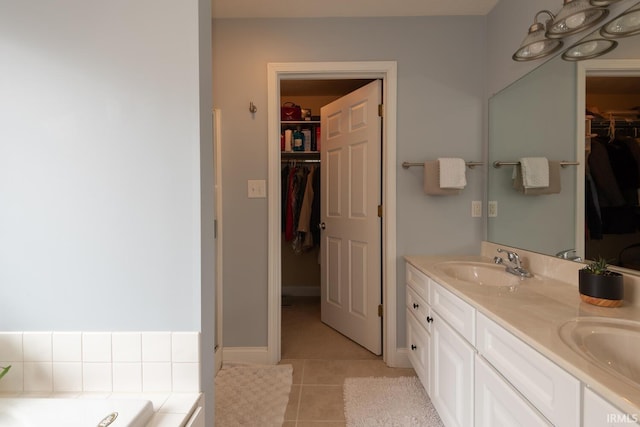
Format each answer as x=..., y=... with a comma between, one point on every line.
x=321, y=358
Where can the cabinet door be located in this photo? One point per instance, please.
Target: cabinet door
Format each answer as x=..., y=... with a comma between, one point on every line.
x=419, y=343
x=452, y=375
x=597, y=412
x=498, y=404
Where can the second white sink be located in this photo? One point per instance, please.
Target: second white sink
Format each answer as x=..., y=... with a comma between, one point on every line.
x=612, y=344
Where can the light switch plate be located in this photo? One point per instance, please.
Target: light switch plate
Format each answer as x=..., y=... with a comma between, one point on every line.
x=476, y=209
x=256, y=189
x=493, y=208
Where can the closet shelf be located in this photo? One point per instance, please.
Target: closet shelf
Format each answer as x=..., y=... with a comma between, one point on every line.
x=300, y=156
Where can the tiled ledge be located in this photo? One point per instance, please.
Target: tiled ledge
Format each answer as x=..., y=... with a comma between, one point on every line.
x=170, y=409
x=100, y=362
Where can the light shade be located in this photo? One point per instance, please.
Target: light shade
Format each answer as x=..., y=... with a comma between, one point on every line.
x=536, y=45
x=625, y=25
x=603, y=2
x=588, y=49
x=574, y=17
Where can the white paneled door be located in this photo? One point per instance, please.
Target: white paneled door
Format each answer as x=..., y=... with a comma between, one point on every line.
x=351, y=229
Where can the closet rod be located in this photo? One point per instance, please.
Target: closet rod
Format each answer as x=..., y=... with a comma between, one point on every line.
x=470, y=165
x=299, y=161
x=498, y=163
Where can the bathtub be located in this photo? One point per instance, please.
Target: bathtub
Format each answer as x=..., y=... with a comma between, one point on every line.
x=58, y=412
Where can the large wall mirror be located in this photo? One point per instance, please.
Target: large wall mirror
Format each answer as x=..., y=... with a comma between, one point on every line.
x=544, y=114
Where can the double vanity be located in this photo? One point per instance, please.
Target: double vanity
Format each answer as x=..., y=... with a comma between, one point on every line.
x=497, y=348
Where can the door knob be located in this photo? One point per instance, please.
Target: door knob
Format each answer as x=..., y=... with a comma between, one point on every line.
x=322, y=226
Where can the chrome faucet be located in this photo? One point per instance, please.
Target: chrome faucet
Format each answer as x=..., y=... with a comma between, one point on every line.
x=566, y=254
x=512, y=264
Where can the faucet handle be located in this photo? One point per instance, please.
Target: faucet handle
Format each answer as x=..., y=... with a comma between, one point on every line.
x=565, y=253
x=511, y=256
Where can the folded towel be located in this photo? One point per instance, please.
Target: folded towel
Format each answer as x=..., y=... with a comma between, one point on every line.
x=452, y=173
x=432, y=180
x=535, y=172
x=554, y=181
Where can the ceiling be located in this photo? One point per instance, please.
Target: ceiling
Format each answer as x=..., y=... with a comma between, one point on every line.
x=346, y=8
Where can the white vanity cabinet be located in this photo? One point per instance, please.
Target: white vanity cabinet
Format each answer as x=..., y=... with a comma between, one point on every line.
x=553, y=391
x=419, y=324
x=438, y=350
x=452, y=357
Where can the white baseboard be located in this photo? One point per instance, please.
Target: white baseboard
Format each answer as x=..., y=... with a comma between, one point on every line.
x=256, y=355
x=400, y=359
x=301, y=291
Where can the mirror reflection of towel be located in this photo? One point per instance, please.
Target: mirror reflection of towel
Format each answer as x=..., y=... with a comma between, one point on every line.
x=554, y=181
x=535, y=172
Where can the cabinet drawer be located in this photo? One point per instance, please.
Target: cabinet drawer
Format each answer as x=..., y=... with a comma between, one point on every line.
x=419, y=346
x=460, y=315
x=548, y=387
x=418, y=281
x=419, y=308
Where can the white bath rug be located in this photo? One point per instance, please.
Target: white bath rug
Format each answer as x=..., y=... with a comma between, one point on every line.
x=252, y=395
x=397, y=402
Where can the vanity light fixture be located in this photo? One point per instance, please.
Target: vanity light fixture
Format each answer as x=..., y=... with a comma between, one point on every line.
x=536, y=45
x=625, y=25
x=588, y=49
x=574, y=17
x=603, y=2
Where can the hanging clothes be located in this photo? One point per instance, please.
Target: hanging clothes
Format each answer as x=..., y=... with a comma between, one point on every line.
x=288, y=231
x=301, y=206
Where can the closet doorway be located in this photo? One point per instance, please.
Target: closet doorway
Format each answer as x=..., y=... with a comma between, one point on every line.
x=612, y=162
x=281, y=78
x=346, y=184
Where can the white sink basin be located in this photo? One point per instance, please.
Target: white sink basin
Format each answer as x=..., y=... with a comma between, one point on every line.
x=612, y=344
x=479, y=273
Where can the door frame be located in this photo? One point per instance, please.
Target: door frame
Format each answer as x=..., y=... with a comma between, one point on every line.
x=592, y=67
x=387, y=71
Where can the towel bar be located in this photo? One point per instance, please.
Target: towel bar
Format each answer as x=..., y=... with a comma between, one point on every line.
x=470, y=165
x=498, y=164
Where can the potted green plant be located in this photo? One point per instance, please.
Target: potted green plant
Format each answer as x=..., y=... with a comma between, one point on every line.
x=600, y=286
x=4, y=370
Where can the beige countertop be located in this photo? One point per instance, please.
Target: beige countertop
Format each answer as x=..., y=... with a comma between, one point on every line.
x=533, y=311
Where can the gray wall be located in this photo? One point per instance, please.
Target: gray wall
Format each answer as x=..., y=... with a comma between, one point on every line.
x=440, y=113
x=100, y=196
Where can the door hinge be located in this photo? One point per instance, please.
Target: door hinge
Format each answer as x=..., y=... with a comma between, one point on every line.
x=380, y=310
x=380, y=110
x=379, y=211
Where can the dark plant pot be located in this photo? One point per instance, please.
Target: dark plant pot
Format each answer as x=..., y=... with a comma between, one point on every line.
x=602, y=290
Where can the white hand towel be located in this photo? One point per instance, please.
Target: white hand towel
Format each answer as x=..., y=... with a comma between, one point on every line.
x=452, y=173
x=535, y=172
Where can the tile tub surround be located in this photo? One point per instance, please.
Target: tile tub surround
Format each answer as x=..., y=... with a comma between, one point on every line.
x=536, y=310
x=100, y=362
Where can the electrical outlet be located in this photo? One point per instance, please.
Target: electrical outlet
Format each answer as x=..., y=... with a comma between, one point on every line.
x=493, y=208
x=256, y=189
x=476, y=209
